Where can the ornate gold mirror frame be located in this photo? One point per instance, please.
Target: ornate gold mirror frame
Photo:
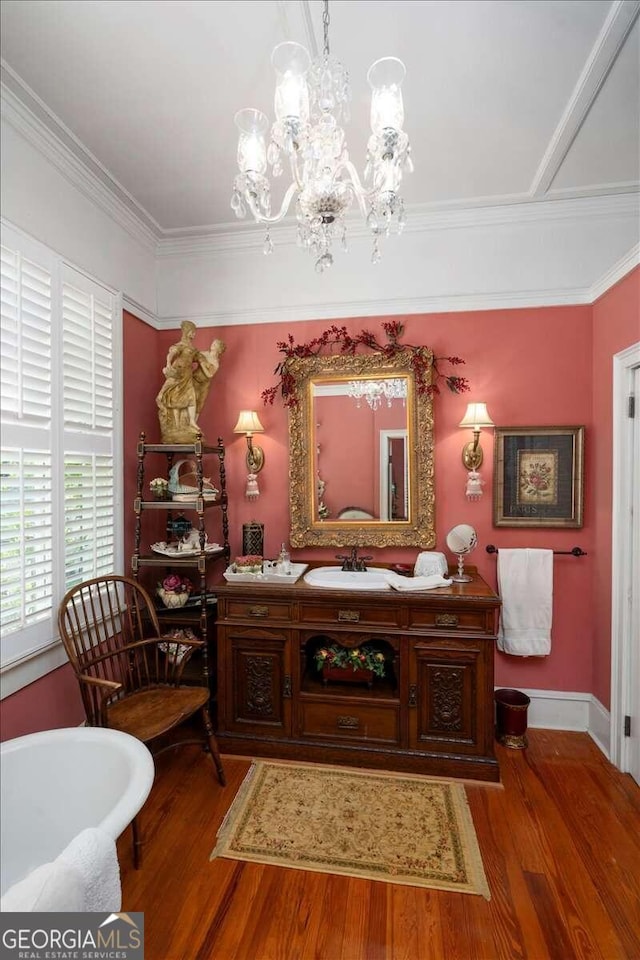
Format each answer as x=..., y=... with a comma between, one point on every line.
x=307, y=529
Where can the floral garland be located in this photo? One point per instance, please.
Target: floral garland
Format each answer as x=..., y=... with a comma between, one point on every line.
x=359, y=658
x=421, y=360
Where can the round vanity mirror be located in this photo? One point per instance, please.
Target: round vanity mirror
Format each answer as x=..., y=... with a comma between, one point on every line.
x=461, y=540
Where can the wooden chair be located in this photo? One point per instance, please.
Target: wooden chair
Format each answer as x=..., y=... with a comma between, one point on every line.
x=130, y=678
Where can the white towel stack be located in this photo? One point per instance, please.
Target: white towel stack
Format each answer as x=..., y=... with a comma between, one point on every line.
x=525, y=582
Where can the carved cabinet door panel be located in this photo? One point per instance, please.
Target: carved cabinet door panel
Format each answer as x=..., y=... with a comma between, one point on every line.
x=446, y=696
x=258, y=682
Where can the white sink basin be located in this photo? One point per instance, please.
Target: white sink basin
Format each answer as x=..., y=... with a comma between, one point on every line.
x=334, y=578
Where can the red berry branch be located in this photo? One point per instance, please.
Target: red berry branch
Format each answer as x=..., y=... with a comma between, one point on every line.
x=421, y=361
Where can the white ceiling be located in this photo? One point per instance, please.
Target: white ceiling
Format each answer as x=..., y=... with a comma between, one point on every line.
x=505, y=100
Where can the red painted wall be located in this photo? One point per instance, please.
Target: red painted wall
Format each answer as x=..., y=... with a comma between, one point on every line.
x=50, y=702
x=616, y=326
x=533, y=367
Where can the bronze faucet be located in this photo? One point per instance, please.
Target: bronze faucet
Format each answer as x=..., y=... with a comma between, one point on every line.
x=353, y=563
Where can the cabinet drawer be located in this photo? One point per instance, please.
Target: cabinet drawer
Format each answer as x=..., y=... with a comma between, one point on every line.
x=348, y=721
x=449, y=619
x=349, y=613
x=257, y=609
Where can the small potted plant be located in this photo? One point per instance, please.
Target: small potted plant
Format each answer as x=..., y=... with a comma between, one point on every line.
x=174, y=590
x=160, y=489
x=356, y=665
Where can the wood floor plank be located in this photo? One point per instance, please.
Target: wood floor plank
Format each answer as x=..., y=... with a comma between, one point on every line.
x=559, y=841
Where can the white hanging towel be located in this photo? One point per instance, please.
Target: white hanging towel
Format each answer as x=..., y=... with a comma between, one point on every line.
x=525, y=583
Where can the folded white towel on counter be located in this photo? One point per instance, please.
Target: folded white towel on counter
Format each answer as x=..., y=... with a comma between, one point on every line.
x=525, y=584
x=51, y=888
x=92, y=853
x=398, y=582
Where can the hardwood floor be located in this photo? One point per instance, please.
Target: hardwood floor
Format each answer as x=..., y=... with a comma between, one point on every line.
x=560, y=841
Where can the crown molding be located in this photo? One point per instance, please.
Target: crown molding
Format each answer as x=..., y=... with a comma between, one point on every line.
x=615, y=273
x=26, y=113
x=294, y=313
x=609, y=42
x=421, y=218
x=142, y=313
x=29, y=116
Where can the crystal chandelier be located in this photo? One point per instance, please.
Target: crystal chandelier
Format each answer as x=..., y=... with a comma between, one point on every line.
x=374, y=391
x=311, y=99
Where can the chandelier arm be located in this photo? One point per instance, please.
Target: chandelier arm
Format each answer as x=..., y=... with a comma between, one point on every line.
x=295, y=169
x=358, y=189
x=262, y=218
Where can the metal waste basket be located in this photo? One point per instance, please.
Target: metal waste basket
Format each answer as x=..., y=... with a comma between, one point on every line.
x=511, y=718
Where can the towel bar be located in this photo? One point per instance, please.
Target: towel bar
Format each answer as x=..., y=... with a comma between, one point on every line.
x=575, y=552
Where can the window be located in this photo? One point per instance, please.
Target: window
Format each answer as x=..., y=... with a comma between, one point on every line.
x=60, y=470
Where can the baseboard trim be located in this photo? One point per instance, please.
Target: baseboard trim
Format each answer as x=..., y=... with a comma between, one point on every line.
x=566, y=710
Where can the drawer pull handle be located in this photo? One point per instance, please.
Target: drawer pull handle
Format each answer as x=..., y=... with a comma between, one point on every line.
x=286, y=688
x=348, y=723
x=351, y=615
x=446, y=620
x=258, y=611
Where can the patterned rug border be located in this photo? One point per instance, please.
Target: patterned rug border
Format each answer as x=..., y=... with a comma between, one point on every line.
x=476, y=882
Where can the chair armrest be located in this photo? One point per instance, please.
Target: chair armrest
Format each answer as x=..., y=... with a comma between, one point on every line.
x=112, y=685
x=109, y=687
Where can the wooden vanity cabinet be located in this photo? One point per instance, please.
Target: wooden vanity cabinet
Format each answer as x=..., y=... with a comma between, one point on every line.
x=432, y=713
x=256, y=681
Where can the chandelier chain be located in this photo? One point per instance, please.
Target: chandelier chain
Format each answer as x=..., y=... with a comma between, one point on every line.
x=325, y=24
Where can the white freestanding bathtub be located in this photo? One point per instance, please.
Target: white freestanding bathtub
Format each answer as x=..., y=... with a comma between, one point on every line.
x=56, y=783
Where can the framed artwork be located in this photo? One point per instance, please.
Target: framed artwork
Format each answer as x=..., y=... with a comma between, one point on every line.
x=538, y=476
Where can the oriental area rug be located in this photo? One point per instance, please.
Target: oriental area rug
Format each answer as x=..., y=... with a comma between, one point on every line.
x=394, y=827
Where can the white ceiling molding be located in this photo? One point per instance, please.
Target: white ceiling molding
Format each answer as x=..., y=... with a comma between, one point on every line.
x=616, y=273
x=620, y=19
x=384, y=308
x=132, y=306
x=421, y=218
x=503, y=252
x=24, y=110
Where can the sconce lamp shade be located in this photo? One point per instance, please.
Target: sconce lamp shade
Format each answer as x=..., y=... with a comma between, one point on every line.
x=249, y=423
x=476, y=417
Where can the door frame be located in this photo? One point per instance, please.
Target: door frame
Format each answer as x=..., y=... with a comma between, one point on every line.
x=621, y=552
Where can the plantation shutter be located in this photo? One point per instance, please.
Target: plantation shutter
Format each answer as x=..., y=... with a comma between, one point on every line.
x=89, y=510
x=60, y=462
x=26, y=567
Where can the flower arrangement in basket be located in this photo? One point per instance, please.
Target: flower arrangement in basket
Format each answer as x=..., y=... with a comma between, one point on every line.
x=359, y=662
x=160, y=488
x=174, y=591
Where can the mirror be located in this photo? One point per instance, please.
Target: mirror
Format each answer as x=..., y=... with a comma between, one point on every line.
x=361, y=453
x=462, y=540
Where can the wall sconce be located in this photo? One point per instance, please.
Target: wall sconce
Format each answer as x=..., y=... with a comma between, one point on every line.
x=249, y=423
x=475, y=418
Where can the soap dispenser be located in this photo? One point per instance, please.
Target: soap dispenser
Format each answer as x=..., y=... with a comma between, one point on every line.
x=284, y=560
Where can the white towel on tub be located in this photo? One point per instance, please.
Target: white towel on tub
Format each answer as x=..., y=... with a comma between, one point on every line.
x=92, y=853
x=85, y=878
x=525, y=583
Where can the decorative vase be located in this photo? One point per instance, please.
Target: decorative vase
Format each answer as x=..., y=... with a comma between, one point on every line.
x=346, y=675
x=172, y=599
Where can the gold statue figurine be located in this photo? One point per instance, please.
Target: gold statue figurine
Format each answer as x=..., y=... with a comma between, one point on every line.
x=188, y=373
